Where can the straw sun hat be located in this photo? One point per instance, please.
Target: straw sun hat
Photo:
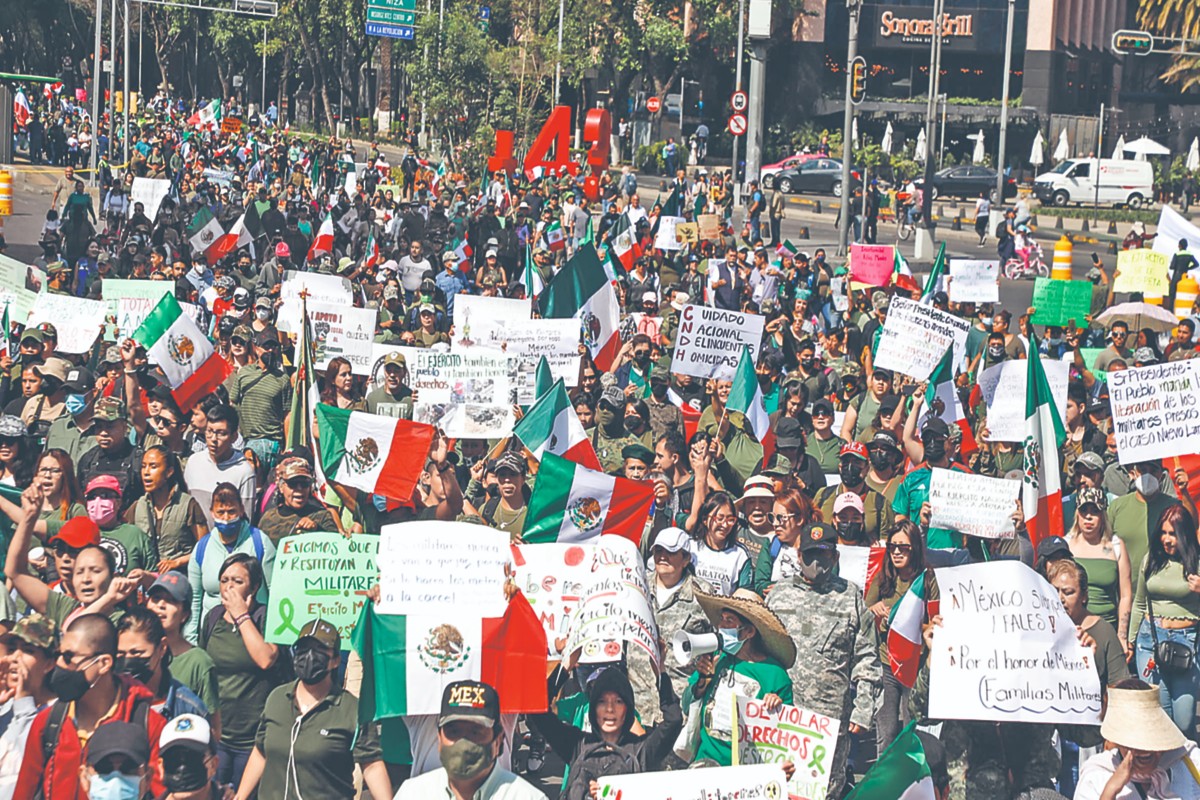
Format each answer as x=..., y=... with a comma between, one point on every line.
x=750, y=607
x=1136, y=720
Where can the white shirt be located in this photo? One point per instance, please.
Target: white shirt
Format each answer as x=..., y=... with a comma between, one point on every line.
x=500, y=785
x=1171, y=781
x=423, y=742
x=718, y=569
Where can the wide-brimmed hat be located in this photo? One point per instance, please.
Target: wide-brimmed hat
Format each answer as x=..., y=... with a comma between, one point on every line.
x=750, y=607
x=1135, y=719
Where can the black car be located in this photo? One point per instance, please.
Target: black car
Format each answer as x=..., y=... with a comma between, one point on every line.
x=819, y=175
x=969, y=182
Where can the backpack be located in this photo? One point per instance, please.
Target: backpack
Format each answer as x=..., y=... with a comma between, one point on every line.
x=595, y=760
x=255, y=536
x=54, y=722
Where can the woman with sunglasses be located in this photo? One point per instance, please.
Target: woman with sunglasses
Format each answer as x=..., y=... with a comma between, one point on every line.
x=16, y=453
x=170, y=429
x=62, y=499
x=1106, y=561
x=169, y=515
x=791, y=511
x=905, y=561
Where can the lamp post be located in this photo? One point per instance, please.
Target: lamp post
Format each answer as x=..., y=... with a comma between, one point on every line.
x=1008, y=47
x=847, y=123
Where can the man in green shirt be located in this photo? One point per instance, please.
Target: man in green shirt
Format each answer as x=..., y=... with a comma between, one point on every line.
x=73, y=431
x=823, y=444
x=393, y=398
x=262, y=395
x=912, y=496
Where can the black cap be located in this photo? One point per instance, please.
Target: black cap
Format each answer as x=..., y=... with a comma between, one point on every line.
x=889, y=404
x=884, y=439
x=79, y=380
x=1052, y=548
x=817, y=536
x=264, y=338
x=470, y=701
x=788, y=433
x=882, y=372
x=935, y=425
x=119, y=738
x=822, y=405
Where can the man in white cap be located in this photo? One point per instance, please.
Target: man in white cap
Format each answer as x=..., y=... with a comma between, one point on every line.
x=755, y=506
x=188, y=759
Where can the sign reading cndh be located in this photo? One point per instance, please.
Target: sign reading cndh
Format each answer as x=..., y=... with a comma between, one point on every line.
x=899, y=27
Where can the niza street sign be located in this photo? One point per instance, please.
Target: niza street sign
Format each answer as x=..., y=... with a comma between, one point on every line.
x=390, y=16
x=406, y=32
x=397, y=5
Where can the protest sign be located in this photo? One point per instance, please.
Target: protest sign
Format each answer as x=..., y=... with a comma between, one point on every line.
x=231, y=125
x=320, y=575
x=499, y=324
x=765, y=781
x=342, y=330
x=1142, y=270
x=837, y=291
x=1006, y=650
x=872, y=264
x=805, y=738
x=150, y=192
x=666, y=239
x=1006, y=409
x=709, y=226
x=614, y=606
x=328, y=289
x=972, y=504
x=553, y=577
x=974, y=281
x=688, y=232
x=430, y=567
x=78, y=320
x=465, y=394
x=14, y=288
x=1173, y=226
x=1155, y=410
x=482, y=321
x=916, y=337
x=710, y=340
x=221, y=177
x=379, y=352
x=132, y=301
x=1057, y=302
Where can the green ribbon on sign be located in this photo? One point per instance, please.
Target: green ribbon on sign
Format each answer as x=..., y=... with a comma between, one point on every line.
x=818, y=759
x=287, y=612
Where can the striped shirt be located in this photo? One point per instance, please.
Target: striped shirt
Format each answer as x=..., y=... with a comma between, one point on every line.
x=262, y=400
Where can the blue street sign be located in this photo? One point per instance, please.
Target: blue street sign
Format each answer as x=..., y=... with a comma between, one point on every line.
x=485, y=12
x=406, y=32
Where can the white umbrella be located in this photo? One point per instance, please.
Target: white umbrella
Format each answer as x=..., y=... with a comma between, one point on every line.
x=1193, y=156
x=1119, y=150
x=854, y=131
x=1137, y=315
x=1145, y=146
x=977, y=156
x=919, y=155
x=887, y=139
x=1037, y=156
x=1062, y=151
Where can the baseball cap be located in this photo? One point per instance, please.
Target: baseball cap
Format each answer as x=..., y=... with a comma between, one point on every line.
x=427, y=307
x=822, y=406
x=323, y=632
x=118, y=739
x=12, y=427
x=758, y=486
x=282, y=250
x=1052, y=548
x=511, y=461
x=109, y=482
x=613, y=396
x=264, y=338
x=294, y=467
x=936, y=426
x=109, y=409
x=448, y=256
x=36, y=630
x=778, y=465
x=788, y=433
x=885, y=439
x=112, y=355
x=671, y=539
x=34, y=334
x=470, y=701
x=490, y=254
x=889, y=404
x=1090, y=460
x=187, y=730
x=880, y=301
x=817, y=536
x=176, y=585
x=856, y=449
x=1092, y=495
x=77, y=532
x=847, y=500
x=395, y=358
x=262, y=302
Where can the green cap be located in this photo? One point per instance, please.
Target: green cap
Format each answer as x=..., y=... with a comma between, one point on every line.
x=778, y=465
x=638, y=451
x=36, y=630
x=109, y=409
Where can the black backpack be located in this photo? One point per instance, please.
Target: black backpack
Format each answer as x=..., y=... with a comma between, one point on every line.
x=595, y=760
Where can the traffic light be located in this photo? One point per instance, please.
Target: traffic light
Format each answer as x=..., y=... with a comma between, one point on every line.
x=858, y=80
x=1133, y=43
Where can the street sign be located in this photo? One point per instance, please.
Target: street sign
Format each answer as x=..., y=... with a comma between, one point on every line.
x=739, y=101
x=406, y=32
x=398, y=5
x=858, y=80
x=737, y=124
x=1132, y=43
x=390, y=16
x=485, y=12
x=653, y=105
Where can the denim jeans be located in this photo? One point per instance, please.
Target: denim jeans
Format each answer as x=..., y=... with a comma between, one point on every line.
x=893, y=711
x=1177, y=690
x=231, y=763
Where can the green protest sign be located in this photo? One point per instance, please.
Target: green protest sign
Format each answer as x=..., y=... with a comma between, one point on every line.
x=320, y=575
x=1055, y=302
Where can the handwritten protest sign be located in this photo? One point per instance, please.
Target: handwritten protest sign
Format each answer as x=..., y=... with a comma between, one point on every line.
x=1057, y=302
x=666, y=239
x=78, y=320
x=916, y=337
x=1156, y=411
x=132, y=301
x=1142, y=270
x=765, y=781
x=553, y=577
x=973, y=504
x=14, y=288
x=615, y=606
x=1006, y=408
x=426, y=567
x=150, y=192
x=327, y=289
x=688, y=232
x=464, y=394
x=231, y=125
x=322, y=575
x=1007, y=651
x=805, y=738
x=974, y=281
x=710, y=340
x=482, y=321
x=342, y=330
x=709, y=226
x=872, y=264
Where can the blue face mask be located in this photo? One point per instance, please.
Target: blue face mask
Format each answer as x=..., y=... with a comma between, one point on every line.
x=228, y=529
x=380, y=502
x=76, y=403
x=115, y=786
x=730, y=642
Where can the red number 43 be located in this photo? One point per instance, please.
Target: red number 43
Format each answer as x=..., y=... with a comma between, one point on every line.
x=551, y=150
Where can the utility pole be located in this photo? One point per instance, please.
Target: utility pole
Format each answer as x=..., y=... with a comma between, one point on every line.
x=558, y=61
x=125, y=86
x=1008, y=47
x=924, y=238
x=263, y=102
x=141, y=26
x=847, y=123
x=96, y=105
x=112, y=73
x=1099, y=155
x=738, y=87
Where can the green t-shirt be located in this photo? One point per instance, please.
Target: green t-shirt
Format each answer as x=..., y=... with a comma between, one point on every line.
x=243, y=686
x=132, y=548
x=195, y=670
x=913, y=493
x=59, y=606
x=825, y=452
x=733, y=677
x=1131, y=519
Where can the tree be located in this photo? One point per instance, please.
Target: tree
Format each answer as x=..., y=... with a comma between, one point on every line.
x=1178, y=18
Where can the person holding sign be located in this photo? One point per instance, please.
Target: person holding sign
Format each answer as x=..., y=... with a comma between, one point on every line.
x=1104, y=559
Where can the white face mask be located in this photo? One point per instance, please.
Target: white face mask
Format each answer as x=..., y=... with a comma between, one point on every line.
x=198, y=269
x=1146, y=485
x=263, y=314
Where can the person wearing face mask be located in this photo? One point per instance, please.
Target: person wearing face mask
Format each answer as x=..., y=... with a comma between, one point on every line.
x=261, y=392
x=829, y=621
x=634, y=365
x=114, y=455
x=32, y=647
x=263, y=318
x=130, y=546
x=188, y=759
x=991, y=355
x=912, y=496
x=852, y=469
x=610, y=437
x=1133, y=516
x=309, y=738
x=92, y=697
x=664, y=415
x=143, y=654
x=886, y=458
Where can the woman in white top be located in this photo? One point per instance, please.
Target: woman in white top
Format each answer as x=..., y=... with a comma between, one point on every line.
x=718, y=557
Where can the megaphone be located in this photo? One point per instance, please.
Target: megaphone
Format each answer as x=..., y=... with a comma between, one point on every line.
x=687, y=646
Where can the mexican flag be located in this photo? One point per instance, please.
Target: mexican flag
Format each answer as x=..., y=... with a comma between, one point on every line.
x=409, y=660
x=901, y=273
x=532, y=279
x=623, y=244
x=786, y=248
x=904, y=633
x=239, y=236
x=901, y=773
x=377, y=454
x=192, y=367
x=463, y=255
x=581, y=290
x=1041, y=489
x=304, y=392
x=553, y=234
x=746, y=396
x=936, y=276
x=206, y=115
x=371, y=252
x=574, y=504
x=691, y=414
x=941, y=388
x=21, y=110
x=543, y=379
x=550, y=426
x=322, y=243
x=204, y=233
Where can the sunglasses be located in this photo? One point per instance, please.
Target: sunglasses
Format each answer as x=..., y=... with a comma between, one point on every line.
x=164, y=421
x=63, y=549
x=299, y=484
x=780, y=519
x=902, y=549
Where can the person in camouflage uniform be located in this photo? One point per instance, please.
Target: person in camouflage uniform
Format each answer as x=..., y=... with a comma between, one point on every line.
x=609, y=437
x=296, y=509
x=829, y=620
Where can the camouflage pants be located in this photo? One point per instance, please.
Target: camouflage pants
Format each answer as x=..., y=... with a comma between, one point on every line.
x=989, y=761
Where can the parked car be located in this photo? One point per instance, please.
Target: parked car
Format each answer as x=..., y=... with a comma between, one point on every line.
x=768, y=172
x=1129, y=183
x=969, y=182
x=820, y=175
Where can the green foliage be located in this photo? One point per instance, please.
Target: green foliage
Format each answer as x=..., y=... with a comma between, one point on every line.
x=1047, y=214
x=905, y=169
x=649, y=158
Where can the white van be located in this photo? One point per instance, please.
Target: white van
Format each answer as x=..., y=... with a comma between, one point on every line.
x=1129, y=183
